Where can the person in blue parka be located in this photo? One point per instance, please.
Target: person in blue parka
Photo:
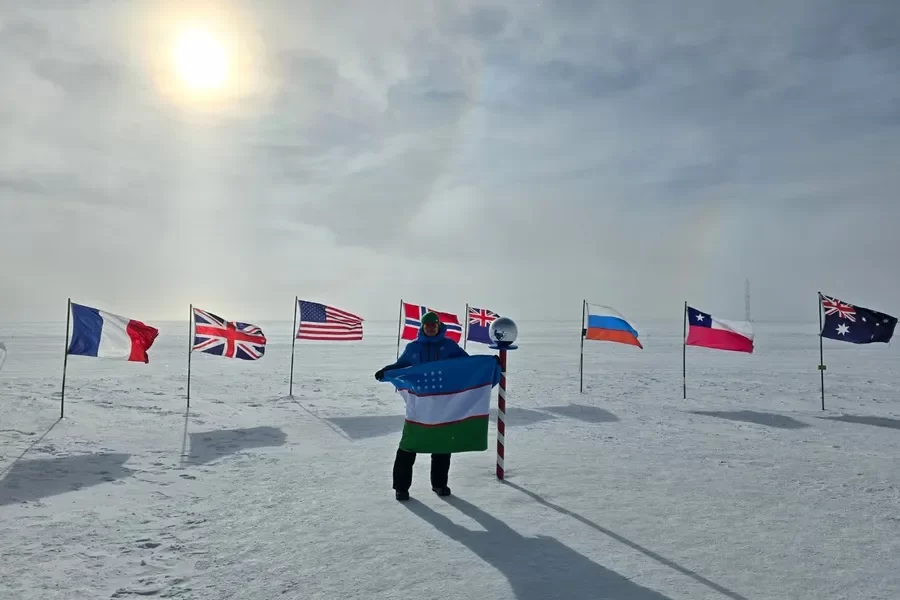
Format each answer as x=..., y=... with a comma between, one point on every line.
x=430, y=345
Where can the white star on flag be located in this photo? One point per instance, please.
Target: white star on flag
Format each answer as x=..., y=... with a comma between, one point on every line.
x=843, y=329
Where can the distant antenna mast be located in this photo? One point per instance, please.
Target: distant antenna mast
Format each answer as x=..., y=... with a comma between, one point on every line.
x=747, y=300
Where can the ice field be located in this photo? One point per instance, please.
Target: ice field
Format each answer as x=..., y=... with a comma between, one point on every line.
x=747, y=490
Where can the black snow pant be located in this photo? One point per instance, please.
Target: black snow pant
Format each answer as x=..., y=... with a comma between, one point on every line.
x=403, y=470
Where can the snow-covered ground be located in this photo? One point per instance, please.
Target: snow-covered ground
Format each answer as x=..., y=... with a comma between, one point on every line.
x=745, y=490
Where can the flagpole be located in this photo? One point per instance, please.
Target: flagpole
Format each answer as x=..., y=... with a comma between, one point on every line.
x=684, y=352
x=399, y=327
x=190, y=351
x=821, y=353
x=581, y=360
x=293, y=343
x=466, y=330
x=62, y=395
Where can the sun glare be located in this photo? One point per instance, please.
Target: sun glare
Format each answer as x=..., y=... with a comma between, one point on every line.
x=201, y=60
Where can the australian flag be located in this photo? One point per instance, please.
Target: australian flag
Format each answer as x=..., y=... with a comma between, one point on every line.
x=855, y=324
x=480, y=320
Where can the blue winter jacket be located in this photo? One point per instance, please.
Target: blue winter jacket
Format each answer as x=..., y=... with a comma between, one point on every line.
x=428, y=349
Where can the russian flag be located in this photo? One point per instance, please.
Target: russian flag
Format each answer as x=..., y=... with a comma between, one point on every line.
x=708, y=331
x=104, y=335
x=608, y=325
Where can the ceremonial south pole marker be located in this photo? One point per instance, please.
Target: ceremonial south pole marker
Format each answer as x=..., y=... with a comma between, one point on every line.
x=503, y=333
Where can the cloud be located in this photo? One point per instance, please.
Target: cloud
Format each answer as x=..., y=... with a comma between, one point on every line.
x=633, y=155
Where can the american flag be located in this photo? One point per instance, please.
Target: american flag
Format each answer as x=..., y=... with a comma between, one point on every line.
x=215, y=335
x=323, y=322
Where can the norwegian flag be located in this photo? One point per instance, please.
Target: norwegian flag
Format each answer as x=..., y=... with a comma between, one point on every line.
x=215, y=335
x=413, y=314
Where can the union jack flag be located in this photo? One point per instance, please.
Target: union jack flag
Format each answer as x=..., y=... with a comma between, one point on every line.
x=843, y=310
x=215, y=335
x=480, y=320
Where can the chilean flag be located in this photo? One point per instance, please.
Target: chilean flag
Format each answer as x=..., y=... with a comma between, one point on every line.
x=709, y=332
x=104, y=335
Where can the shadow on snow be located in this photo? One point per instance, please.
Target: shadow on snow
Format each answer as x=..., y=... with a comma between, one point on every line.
x=876, y=421
x=207, y=446
x=30, y=480
x=537, y=568
x=749, y=416
x=587, y=414
x=633, y=545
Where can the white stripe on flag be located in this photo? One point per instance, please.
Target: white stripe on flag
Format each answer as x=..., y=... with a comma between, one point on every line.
x=448, y=408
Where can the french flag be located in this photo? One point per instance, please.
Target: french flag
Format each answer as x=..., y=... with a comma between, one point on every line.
x=708, y=331
x=104, y=335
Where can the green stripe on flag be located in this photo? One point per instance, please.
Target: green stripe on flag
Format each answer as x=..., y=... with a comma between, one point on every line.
x=468, y=435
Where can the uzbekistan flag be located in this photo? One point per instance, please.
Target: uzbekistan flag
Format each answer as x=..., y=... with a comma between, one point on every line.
x=103, y=335
x=708, y=331
x=447, y=403
x=608, y=325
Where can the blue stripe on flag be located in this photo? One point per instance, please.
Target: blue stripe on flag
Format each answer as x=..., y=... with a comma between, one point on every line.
x=447, y=376
x=609, y=323
x=87, y=327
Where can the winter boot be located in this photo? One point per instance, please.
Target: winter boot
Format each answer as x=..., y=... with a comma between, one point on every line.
x=401, y=495
x=441, y=491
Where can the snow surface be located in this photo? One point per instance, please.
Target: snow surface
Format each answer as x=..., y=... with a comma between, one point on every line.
x=745, y=490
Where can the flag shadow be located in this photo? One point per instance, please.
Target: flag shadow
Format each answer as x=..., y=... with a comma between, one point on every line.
x=537, y=568
x=34, y=479
x=207, y=446
x=633, y=545
x=860, y=420
x=360, y=428
x=582, y=412
x=749, y=416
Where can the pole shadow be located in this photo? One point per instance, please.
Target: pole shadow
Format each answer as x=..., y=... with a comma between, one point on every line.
x=749, y=416
x=582, y=412
x=625, y=541
x=862, y=420
x=537, y=568
x=30, y=446
x=516, y=416
x=207, y=446
x=30, y=480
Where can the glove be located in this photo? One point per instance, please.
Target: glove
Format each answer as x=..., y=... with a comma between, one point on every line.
x=379, y=374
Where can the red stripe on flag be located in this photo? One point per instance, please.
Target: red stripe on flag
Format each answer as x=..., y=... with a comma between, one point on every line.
x=718, y=339
x=142, y=337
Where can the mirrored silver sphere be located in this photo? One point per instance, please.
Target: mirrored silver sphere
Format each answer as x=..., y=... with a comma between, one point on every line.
x=503, y=331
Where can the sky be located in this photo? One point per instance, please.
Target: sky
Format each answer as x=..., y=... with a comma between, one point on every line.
x=517, y=155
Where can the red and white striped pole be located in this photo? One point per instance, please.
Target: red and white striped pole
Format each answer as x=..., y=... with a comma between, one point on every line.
x=503, y=333
x=501, y=416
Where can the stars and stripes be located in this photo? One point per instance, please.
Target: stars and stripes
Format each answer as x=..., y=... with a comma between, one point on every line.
x=327, y=323
x=215, y=335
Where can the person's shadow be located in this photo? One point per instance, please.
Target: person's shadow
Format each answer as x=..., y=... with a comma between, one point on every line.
x=538, y=568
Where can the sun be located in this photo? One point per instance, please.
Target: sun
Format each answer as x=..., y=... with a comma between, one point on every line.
x=201, y=60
